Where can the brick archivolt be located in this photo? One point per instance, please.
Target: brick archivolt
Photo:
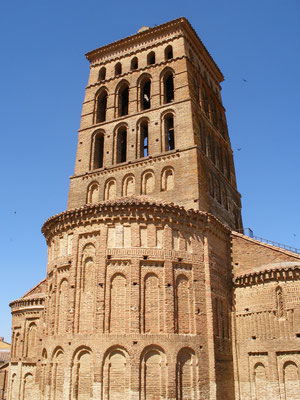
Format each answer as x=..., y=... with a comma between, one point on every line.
x=124, y=305
x=158, y=371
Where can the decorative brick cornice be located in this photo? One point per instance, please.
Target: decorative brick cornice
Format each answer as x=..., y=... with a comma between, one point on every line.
x=30, y=303
x=131, y=208
x=273, y=273
x=180, y=23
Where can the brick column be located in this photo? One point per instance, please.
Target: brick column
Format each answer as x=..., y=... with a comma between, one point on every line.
x=135, y=306
x=101, y=279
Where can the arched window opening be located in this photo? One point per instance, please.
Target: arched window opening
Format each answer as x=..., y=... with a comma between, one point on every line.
x=123, y=100
x=168, y=53
x=134, y=64
x=146, y=94
x=169, y=88
x=144, y=139
x=118, y=69
x=151, y=58
x=102, y=74
x=98, y=151
x=169, y=132
x=122, y=145
x=101, y=107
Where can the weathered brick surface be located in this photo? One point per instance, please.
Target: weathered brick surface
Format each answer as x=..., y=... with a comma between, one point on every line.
x=148, y=293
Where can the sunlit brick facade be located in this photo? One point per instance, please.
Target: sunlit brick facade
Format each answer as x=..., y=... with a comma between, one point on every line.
x=150, y=291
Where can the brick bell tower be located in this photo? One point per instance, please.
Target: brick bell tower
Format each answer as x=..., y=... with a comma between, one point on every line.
x=153, y=124
x=137, y=298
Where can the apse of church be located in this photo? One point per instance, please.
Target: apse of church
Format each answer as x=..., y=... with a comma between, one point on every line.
x=148, y=292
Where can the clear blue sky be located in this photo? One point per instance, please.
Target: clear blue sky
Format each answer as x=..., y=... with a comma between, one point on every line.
x=43, y=78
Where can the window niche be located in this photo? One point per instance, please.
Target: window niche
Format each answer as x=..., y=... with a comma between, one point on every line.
x=168, y=52
x=145, y=94
x=121, y=147
x=128, y=186
x=151, y=58
x=98, y=150
x=169, y=132
x=134, y=64
x=93, y=193
x=168, y=82
x=123, y=100
x=148, y=182
x=102, y=74
x=118, y=69
x=101, y=106
x=110, y=189
x=167, y=180
x=144, y=139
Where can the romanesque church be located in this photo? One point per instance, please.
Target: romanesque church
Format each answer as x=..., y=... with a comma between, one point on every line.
x=152, y=291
